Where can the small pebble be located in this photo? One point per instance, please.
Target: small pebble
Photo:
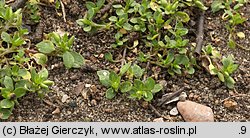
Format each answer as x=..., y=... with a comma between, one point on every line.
x=174, y=111
x=87, y=85
x=183, y=96
x=158, y=120
x=230, y=104
x=64, y=98
x=56, y=111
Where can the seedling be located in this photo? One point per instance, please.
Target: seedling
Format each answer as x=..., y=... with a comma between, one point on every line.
x=158, y=24
x=61, y=46
x=224, y=70
x=144, y=89
x=231, y=14
x=87, y=22
x=18, y=72
x=135, y=88
x=32, y=9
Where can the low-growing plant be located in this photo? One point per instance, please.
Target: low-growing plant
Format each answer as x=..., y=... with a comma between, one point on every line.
x=133, y=86
x=21, y=71
x=61, y=46
x=32, y=9
x=87, y=22
x=231, y=14
x=156, y=24
x=222, y=67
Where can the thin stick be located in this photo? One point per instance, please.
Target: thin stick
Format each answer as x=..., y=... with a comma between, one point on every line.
x=165, y=99
x=155, y=110
x=63, y=11
x=10, y=1
x=200, y=35
x=124, y=56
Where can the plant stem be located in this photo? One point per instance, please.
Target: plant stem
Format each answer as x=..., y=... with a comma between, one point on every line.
x=6, y=51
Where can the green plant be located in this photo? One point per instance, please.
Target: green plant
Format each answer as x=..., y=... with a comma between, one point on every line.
x=224, y=69
x=61, y=46
x=155, y=24
x=21, y=71
x=134, y=87
x=32, y=9
x=231, y=14
x=87, y=22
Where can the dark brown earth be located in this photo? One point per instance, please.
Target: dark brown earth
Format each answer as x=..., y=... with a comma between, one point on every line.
x=86, y=100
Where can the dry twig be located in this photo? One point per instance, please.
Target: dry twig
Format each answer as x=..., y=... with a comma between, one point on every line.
x=63, y=11
x=200, y=35
x=165, y=99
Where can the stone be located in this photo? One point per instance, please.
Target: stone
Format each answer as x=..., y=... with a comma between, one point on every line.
x=56, y=111
x=64, y=98
x=158, y=120
x=194, y=112
x=174, y=111
x=87, y=85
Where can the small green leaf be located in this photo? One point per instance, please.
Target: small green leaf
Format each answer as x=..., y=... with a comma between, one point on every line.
x=149, y=84
x=43, y=74
x=230, y=82
x=221, y=77
x=137, y=71
x=231, y=43
x=71, y=41
x=191, y=70
x=114, y=80
x=109, y=57
x=169, y=59
x=40, y=58
x=90, y=5
x=182, y=16
x=125, y=68
x=113, y=19
x=48, y=82
x=217, y=5
x=200, y=5
x=104, y=77
x=181, y=59
x=117, y=6
x=8, y=83
x=157, y=88
x=87, y=28
x=5, y=113
x=24, y=74
x=127, y=26
x=6, y=103
x=126, y=86
x=68, y=60
x=110, y=93
x=91, y=13
x=78, y=59
x=161, y=43
x=45, y=46
x=100, y=3
x=20, y=92
x=148, y=96
x=138, y=85
x=6, y=37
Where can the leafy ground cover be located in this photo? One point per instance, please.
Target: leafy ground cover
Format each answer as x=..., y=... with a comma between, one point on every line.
x=113, y=60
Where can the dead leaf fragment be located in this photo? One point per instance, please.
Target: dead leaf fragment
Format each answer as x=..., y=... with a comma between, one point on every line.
x=230, y=104
x=241, y=35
